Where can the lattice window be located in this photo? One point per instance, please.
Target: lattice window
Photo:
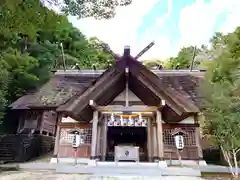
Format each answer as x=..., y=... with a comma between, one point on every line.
x=86, y=134
x=189, y=138
x=67, y=138
x=167, y=137
x=31, y=115
x=48, y=127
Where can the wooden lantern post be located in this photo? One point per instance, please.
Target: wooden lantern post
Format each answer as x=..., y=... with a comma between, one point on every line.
x=178, y=133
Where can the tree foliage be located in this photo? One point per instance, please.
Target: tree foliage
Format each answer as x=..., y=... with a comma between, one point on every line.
x=221, y=90
x=153, y=63
x=222, y=97
x=30, y=38
x=98, y=9
x=183, y=60
x=3, y=88
x=201, y=56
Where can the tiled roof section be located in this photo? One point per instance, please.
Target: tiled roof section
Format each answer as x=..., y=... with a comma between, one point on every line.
x=64, y=85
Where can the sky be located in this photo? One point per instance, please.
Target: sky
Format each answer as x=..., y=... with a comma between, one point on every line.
x=171, y=24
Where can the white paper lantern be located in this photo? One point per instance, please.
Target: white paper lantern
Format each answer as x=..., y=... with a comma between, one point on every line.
x=112, y=117
x=179, y=141
x=121, y=120
x=130, y=121
x=76, y=141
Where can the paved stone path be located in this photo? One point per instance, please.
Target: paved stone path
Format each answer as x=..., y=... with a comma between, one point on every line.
x=49, y=175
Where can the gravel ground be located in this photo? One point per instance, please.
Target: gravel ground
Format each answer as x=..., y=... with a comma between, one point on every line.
x=48, y=175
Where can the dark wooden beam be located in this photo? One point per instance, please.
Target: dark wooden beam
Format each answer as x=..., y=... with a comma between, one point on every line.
x=99, y=82
x=128, y=109
x=96, y=91
x=170, y=95
x=142, y=92
x=113, y=108
x=131, y=103
x=116, y=88
x=160, y=94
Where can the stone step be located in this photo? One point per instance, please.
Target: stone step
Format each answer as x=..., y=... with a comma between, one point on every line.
x=126, y=171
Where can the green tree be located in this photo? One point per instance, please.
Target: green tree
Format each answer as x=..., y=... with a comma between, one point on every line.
x=3, y=88
x=25, y=17
x=101, y=58
x=222, y=108
x=30, y=38
x=183, y=59
x=22, y=76
x=88, y=8
x=218, y=40
x=153, y=63
x=221, y=105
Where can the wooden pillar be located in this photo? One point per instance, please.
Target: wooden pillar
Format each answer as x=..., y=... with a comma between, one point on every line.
x=198, y=143
x=98, y=151
x=57, y=137
x=41, y=121
x=154, y=140
x=94, y=134
x=149, y=139
x=21, y=122
x=104, y=138
x=160, y=136
x=198, y=118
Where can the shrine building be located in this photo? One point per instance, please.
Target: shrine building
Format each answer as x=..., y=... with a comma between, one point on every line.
x=127, y=105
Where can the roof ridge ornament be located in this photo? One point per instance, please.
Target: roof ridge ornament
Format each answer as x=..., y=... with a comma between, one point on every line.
x=144, y=50
x=126, y=51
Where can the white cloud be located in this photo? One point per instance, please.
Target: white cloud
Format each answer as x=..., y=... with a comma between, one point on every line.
x=122, y=29
x=196, y=26
x=162, y=19
x=162, y=48
x=197, y=21
x=232, y=21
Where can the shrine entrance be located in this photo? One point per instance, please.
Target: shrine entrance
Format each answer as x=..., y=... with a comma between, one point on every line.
x=127, y=136
x=127, y=133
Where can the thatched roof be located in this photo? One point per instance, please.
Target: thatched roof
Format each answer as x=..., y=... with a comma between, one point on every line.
x=60, y=88
x=65, y=85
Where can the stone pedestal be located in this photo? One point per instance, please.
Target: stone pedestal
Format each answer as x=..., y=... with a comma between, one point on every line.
x=162, y=164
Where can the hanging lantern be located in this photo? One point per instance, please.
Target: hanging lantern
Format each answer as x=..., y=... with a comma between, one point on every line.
x=112, y=117
x=111, y=120
x=178, y=134
x=140, y=117
x=121, y=120
x=130, y=121
x=179, y=141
